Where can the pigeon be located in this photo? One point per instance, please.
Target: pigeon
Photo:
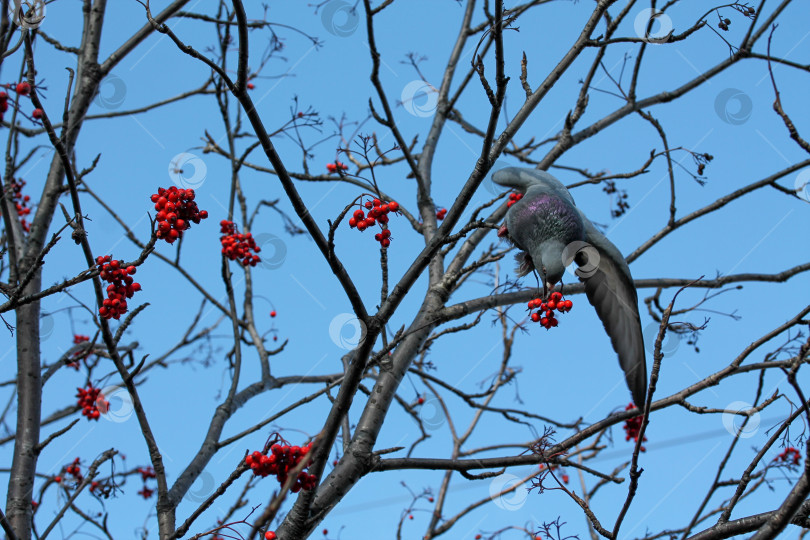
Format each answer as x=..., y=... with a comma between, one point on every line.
x=553, y=233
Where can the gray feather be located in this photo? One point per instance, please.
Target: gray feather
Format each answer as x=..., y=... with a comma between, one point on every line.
x=546, y=224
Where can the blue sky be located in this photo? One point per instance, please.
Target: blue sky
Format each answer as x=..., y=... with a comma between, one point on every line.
x=568, y=373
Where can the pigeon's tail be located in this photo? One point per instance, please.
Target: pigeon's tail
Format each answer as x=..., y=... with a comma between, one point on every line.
x=520, y=178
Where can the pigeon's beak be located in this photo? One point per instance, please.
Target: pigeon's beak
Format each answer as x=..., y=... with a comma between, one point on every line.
x=543, y=282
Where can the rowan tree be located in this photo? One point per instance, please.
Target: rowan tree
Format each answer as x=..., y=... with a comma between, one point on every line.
x=254, y=284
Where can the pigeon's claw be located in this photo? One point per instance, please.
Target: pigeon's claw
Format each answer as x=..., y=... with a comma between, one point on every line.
x=503, y=231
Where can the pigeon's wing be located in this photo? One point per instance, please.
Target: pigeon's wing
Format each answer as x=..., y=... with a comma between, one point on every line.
x=531, y=181
x=611, y=292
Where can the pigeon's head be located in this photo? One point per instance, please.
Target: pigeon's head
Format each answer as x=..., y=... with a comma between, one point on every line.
x=547, y=258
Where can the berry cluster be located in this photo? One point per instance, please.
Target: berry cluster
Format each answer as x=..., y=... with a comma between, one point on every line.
x=333, y=167
x=282, y=459
x=146, y=472
x=237, y=246
x=377, y=214
x=74, y=470
x=78, y=355
x=23, y=88
x=176, y=210
x=545, y=315
x=20, y=200
x=441, y=213
x=513, y=198
x=121, y=286
x=633, y=426
x=789, y=456
x=92, y=402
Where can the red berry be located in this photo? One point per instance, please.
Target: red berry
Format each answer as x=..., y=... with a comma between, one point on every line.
x=352, y=223
x=273, y=313
x=385, y=242
x=421, y=400
x=358, y=214
x=535, y=316
x=393, y=206
x=38, y=113
x=251, y=86
x=23, y=88
x=270, y=535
